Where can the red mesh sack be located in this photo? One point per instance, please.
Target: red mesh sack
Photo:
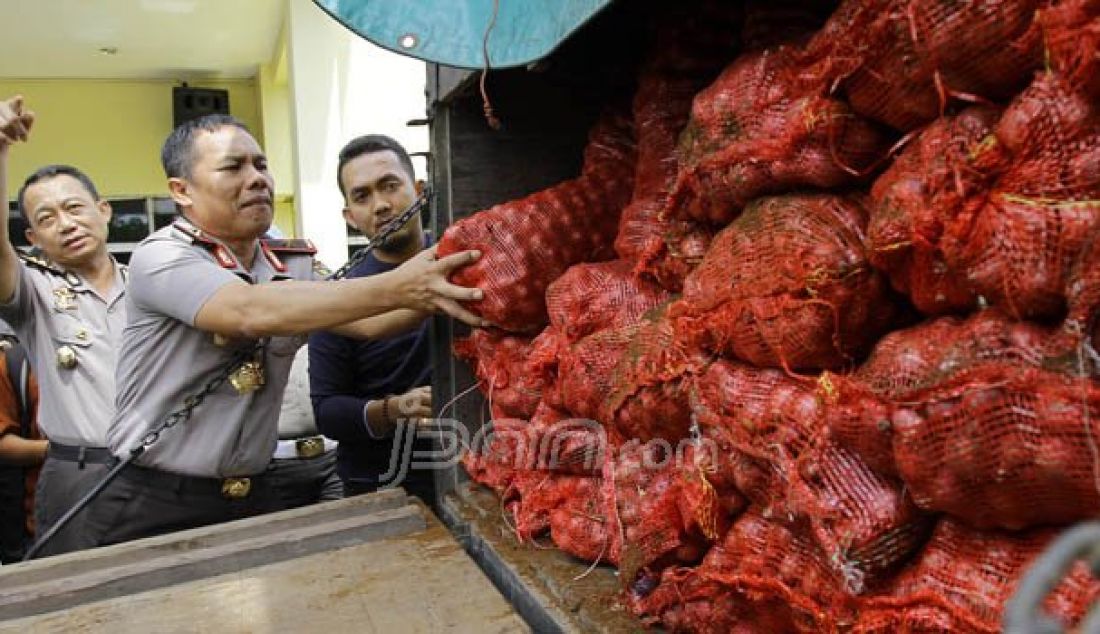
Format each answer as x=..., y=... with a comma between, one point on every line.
x=662, y=507
x=862, y=521
x=497, y=456
x=648, y=397
x=962, y=580
x=580, y=525
x=591, y=297
x=770, y=576
x=901, y=60
x=760, y=130
x=865, y=523
x=499, y=361
x=935, y=173
x=762, y=420
x=1071, y=32
x=664, y=248
x=789, y=284
x=535, y=494
x=863, y=410
x=905, y=364
x=1080, y=327
x=1017, y=244
x=568, y=444
x=1003, y=446
x=543, y=361
x=530, y=242
x=585, y=370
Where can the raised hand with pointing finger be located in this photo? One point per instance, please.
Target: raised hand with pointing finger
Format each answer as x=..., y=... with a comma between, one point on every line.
x=15, y=122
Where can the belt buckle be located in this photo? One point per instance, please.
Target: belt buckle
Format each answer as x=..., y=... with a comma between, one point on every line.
x=309, y=447
x=236, y=488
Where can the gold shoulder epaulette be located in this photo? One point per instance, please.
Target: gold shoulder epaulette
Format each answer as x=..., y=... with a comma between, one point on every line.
x=39, y=262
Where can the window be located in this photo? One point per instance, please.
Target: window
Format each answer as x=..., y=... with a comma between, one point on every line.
x=132, y=220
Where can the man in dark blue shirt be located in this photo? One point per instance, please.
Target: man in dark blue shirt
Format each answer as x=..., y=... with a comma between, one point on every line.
x=361, y=390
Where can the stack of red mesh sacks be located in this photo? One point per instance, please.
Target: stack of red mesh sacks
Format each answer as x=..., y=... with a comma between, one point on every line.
x=690, y=48
x=908, y=490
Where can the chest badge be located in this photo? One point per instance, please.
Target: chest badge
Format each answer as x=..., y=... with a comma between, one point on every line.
x=248, y=377
x=64, y=298
x=66, y=357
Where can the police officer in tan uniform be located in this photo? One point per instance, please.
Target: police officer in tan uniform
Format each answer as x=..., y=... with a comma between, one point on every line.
x=67, y=308
x=201, y=288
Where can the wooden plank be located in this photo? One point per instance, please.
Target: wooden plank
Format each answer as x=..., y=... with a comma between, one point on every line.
x=215, y=550
x=99, y=558
x=420, y=582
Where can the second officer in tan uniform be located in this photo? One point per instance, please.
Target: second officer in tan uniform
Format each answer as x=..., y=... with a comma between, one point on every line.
x=202, y=287
x=68, y=310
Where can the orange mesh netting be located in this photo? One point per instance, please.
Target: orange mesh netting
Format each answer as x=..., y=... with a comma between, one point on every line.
x=983, y=424
x=648, y=397
x=902, y=60
x=585, y=370
x=1071, y=32
x=499, y=361
x=666, y=249
x=528, y=243
x=771, y=445
x=1003, y=446
x=905, y=364
x=933, y=176
x=1017, y=245
x=762, y=420
x=961, y=581
x=864, y=522
x=765, y=575
x=496, y=459
x=757, y=130
x=591, y=297
x=788, y=284
x=663, y=509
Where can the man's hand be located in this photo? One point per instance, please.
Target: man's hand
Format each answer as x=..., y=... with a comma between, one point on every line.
x=422, y=285
x=414, y=404
x=15, y=122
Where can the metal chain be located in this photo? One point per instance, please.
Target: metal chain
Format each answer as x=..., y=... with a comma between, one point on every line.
x=388, y=230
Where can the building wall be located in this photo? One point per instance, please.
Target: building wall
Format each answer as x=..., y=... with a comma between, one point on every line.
x=342, y=86
x=111, y=129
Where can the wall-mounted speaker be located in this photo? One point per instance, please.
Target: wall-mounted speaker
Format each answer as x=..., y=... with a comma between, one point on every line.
x=191, y=103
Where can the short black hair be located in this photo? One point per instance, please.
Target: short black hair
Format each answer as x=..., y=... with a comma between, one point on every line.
x=51, y=171
x=176, y=157
x=369, y=144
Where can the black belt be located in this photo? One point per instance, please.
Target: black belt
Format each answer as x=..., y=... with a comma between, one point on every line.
x=82, y=455
x=227, y=488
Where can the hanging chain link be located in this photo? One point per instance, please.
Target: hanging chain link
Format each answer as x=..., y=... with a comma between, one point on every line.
x=249, y=352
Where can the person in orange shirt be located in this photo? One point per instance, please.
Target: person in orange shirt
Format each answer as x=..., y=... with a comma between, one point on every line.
x=22, y=450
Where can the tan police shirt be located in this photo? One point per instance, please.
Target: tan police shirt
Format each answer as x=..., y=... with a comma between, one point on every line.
x=71, y=334
x=163, y=358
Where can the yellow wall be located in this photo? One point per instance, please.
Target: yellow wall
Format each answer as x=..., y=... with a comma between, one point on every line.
x=274, y=97
x=111, y=129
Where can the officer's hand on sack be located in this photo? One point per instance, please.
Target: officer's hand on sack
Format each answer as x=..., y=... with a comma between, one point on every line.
x=414, y=405
x=422, y=285
x=15, y=122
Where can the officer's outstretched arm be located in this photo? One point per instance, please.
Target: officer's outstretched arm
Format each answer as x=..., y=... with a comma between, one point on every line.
x=292, y=308
x=382, y=326
x=15, y=126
